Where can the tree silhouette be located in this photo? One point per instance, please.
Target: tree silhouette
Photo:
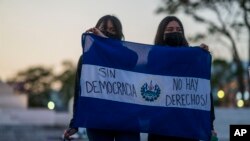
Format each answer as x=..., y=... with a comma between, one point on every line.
x=227, y=24
x=36, y=82
x=67, y=80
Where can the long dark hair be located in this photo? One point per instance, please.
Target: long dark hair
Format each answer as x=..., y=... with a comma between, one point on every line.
x=116, y=22
x=161, y=28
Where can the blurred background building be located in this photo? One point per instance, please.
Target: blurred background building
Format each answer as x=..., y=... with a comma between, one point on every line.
x=8, y=98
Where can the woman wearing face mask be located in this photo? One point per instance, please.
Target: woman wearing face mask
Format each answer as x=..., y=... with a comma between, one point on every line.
x=110, y=27
x=170, y=32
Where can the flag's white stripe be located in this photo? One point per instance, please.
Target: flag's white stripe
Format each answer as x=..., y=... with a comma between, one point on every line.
x=126, y=86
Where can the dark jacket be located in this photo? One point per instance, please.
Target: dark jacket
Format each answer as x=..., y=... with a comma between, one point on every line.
x=76, y=90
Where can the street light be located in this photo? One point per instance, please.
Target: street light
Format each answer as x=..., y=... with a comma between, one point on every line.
x=51, y=105
x=220, y=94
x=240, y=103
x=246, y=95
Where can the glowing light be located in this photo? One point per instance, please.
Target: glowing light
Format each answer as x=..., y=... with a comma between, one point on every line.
x=220, y=94
x=51, y=105
x=240, y=103
x=246, y=95
x=238, y=96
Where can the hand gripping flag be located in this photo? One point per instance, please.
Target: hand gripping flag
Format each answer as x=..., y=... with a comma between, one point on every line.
x=127, y=86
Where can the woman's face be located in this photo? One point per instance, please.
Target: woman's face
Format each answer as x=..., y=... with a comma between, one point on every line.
x=110, y=27
x=172, y=26
x=173, y=35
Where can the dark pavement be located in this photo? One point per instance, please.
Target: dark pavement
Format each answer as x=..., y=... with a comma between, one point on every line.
x=32, y=133
x=15, y=127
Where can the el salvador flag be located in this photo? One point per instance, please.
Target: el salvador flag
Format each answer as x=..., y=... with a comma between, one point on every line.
x=136, y=87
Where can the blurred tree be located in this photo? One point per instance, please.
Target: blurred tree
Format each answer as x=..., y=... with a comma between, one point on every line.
x=36, y=82
x=245, y=6
x=227, y=24
x=42, y=85
x=67, y=82
x=221, y=73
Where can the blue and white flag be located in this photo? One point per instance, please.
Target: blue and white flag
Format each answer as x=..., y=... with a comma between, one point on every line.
x=128, y=86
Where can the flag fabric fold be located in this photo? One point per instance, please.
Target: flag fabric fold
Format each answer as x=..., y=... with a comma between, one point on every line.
x=129, y=86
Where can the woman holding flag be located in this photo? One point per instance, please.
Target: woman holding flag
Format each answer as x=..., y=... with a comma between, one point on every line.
x=170, y=32
x=110, y=27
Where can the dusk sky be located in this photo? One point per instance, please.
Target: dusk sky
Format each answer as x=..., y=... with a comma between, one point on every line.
x=47, y=32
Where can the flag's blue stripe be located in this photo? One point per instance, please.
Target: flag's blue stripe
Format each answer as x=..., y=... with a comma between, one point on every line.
x=104, y=114
x=169, y=61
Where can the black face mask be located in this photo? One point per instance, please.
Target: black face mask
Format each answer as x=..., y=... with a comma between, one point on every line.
x=174, y=39
x=110, y=35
